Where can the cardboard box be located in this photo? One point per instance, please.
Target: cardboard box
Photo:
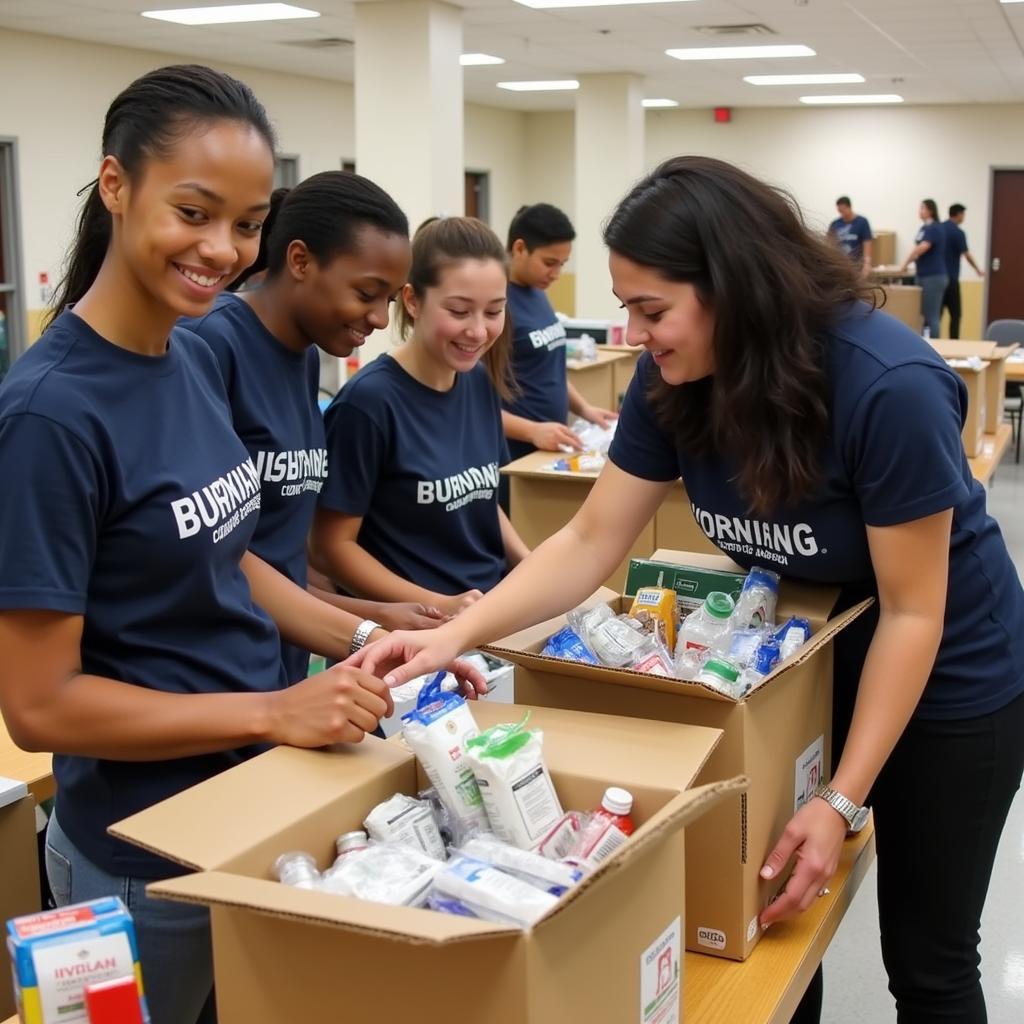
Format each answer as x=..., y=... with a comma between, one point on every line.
x=883, y=248
x=975, y=377
x=285, y=954
x=995, y=379
x=19, y=879
x=595, y=381
x=624, y=369
x=903, y=301
x=779, y=736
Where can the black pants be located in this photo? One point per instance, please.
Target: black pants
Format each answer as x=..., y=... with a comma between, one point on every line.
x=951, y=301
x=939, y=805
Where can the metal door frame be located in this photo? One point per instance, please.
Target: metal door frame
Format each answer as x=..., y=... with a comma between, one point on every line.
x=10, y=198
x=992, y=172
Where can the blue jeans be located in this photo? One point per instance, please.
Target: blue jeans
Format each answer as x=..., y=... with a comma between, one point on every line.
x=174, y=938
x=933, y=288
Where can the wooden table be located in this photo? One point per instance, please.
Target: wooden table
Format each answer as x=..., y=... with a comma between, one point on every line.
x=993, y=447
x=769, y=985
x=35, y=770
x=1015, y=370
x=545, y=499
x=595, y=379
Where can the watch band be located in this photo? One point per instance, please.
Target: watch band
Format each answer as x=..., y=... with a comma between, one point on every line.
x=844, y=805
x=362, y=634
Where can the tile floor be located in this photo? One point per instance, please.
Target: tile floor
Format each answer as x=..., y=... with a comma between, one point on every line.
x=855, y=983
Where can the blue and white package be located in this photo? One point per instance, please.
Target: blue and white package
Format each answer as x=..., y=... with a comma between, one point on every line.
x=792, y=635
x=549, y=875
x=566, y=644
x=493, y=894
x=766, y=657
x=436, y=732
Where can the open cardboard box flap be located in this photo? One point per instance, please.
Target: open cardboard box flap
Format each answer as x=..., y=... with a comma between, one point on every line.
x=988, y=350
x=414, y=926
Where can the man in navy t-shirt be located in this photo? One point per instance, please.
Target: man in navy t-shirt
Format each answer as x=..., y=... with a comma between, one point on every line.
x=955, y=248
x=539, y=244
x=852, y=233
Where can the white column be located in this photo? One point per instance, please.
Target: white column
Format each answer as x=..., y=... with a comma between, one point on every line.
x=609, y=159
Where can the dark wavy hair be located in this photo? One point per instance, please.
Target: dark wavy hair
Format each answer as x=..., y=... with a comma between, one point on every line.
x=146, y=121
x=442, y=242
x=326, y=212
x=932, y=207
x=773, y=287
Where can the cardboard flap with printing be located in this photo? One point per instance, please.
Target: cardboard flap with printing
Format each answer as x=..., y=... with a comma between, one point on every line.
x=271, y=899
x=209, y=825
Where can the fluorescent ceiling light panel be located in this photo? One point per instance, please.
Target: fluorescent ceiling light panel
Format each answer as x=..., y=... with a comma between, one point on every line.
x=476, y=60
x=850, y=79
x=557, y=86
x=654, y=103
x=543, y=5
x=827, y=101
x=740, y=52
x=232, y=14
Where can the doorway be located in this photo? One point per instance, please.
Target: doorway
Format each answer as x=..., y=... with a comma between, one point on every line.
x=12, y=306
x=1004, y=276
x=478, y=195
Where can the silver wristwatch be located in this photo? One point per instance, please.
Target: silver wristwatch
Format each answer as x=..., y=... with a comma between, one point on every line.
x=362, y=634
x=856, y=817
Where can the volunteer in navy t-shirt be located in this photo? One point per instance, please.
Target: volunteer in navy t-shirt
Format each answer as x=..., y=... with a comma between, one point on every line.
x=130, y=501
x=933, y=262
x=893, y=454
x=538, y=362
x=954, y=243
x=420, y=467
x=273, y=393
x=851, y=236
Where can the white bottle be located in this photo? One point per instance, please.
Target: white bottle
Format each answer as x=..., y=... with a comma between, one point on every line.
x=703, y=627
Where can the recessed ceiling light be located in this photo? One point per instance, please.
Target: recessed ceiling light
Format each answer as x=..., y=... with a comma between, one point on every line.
x=824, y=101
x=548, y=4
x=652, y=103
x=1011, y=1
x=231, y=14
x=739, y=52
x=563, y=85
x=850, y=79
x=476, y=60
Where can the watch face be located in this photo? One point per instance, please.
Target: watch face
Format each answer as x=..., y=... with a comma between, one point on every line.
x=860, y=819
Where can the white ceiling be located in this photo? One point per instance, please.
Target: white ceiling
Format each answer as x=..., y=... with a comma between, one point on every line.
x=929, y=51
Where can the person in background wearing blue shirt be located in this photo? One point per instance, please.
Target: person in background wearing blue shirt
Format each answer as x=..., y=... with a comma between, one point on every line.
x=135, y=644
x=540, y=241
x=336, y=251
x=929, y=254
x=955, y=248
x=415, y=515
x=786, y=401
x=852, y=233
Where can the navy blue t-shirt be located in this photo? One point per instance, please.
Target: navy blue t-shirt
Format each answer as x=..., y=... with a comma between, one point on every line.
x=893, y=454
x=273, y=395
x=421, y=468
x=955, y=246
x=538, y=362
x=131, y=501
x=933, y=262
x=851, y=237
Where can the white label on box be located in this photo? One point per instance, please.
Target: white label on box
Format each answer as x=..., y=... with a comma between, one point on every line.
x=809, y=773
x=752, y=929
x=63, y=971
x=711, y=937
x=660, y=968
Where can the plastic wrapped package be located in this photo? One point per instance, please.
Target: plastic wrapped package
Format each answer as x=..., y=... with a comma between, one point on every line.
x=491, y=893
x=297, y=869
x=383, y=873
x=568, y=645
x=408, y=822
x=562, y=839
x=549, y=875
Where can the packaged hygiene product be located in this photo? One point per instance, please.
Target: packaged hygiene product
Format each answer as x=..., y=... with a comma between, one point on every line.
x=567, y=645
x=492, y=894
x=56, y=954
x=531, y=867
x=608, y=828
x=562, y=839
x=383, y=873
x=436, y=732
x=657, y=604
x=297, y=868
x=756, y=604
x=408, y=822
x=517, y=791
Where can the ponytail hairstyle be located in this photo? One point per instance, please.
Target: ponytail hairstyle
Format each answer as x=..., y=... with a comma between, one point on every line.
x=442, y=242
x=146, y=121
x=325, y=212
x=774, y=288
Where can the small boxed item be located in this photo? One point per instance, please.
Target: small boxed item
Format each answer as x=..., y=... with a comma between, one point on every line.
x=995, y=376
x=280, y=951
x=778, y=734
x=58, y=954
x=974, y=373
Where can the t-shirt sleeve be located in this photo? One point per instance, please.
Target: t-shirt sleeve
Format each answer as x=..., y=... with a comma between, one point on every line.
x=50, y=520
x=865, y=231
x=356, y=451
x=640, y=446
x=933, y=234
x=903, y=447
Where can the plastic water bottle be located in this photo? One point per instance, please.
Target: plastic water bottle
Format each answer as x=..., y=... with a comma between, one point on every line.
x=721, y=675
x=703, y=627
x=756, y=604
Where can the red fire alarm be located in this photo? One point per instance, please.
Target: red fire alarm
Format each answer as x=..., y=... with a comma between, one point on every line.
x=723, y=115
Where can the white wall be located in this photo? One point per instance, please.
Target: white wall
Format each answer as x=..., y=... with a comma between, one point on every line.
x=496, y=143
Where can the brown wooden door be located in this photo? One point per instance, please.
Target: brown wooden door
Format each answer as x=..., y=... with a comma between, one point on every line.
x=1006, y=246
